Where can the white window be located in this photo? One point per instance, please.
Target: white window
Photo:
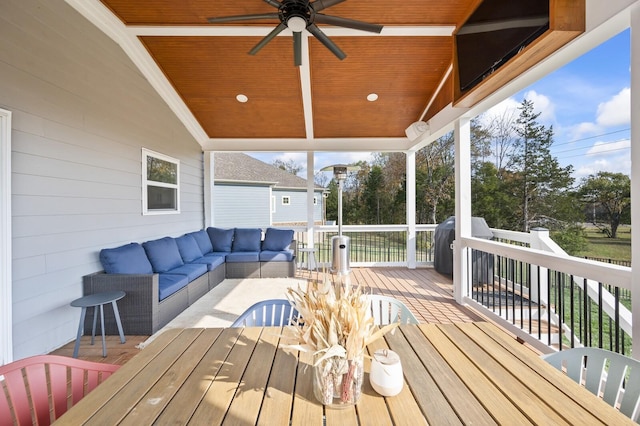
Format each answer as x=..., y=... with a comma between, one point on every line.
x=160, y=183
x=315, y=200
x=273, y=204
x=286, y=200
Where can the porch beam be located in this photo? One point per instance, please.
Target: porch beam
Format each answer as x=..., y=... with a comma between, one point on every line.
x=311, y=223
x=208, y=188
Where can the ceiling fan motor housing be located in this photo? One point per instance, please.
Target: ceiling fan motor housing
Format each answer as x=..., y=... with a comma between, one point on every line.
x=295, y=14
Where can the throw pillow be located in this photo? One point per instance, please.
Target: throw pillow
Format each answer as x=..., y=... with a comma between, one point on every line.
x=247, y=239
x=221, y=239
x=277, y=239
x=188, y=248
x=128, y=259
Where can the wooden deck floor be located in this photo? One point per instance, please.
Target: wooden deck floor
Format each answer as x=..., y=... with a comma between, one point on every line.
x=427, y=293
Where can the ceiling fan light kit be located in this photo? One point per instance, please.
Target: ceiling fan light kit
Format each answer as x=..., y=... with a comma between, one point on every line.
x=298, y=15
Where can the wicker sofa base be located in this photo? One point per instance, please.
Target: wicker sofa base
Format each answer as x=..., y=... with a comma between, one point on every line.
x=141, y=311
x=277, y=269
x=243, y=269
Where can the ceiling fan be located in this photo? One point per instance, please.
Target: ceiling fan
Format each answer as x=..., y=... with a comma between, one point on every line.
x=298, y=15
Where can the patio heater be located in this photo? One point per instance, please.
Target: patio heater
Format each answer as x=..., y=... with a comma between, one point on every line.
x=340, y=243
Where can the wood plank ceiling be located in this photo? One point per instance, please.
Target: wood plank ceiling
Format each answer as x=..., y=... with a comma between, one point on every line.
x=408, y=66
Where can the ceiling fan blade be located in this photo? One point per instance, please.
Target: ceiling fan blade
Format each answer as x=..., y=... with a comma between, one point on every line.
x=319, y=5
x=322, y=38
x=347, y=23
x=273, y=3
x=277, y=30
x=297, y=48
x=243, y=17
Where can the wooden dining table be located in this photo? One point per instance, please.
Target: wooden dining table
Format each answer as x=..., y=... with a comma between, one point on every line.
x=467, y=373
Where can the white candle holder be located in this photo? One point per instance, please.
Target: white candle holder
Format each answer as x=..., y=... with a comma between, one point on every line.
x=386, y=373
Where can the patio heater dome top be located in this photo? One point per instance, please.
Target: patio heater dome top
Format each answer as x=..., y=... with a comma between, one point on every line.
x=340, y=170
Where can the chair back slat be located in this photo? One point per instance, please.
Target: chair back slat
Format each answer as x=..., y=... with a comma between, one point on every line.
x=613, y=376
x=268, y=313
x=39, y=392
x=58, y=383
x=40, y=384
x=386, y=310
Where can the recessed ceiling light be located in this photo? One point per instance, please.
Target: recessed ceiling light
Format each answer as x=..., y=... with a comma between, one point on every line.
x=242, y=98
x=372, y=97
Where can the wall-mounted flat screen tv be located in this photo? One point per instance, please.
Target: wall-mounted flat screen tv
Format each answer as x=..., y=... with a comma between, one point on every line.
x=495, y=32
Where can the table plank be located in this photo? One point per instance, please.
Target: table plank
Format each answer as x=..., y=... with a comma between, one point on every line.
x=557, y=388
x=528, y=402
x=498, y=406
x=248, y=399
x=278, y=400
x=443, y=380
x=213, y=407
x=186, y=400
x=111, y=387
x=372, y=408
x=306, y=408
x=160, y=395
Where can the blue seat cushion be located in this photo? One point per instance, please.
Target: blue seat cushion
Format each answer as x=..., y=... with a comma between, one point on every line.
x=212, y=261
x=246, y=239
x=221, y=239
x=203, y=240
x=163, y=254
x=243, y=256
x=188, y=248
x=127, y=259
x=276, y=256
x=191, y=270
x=170, y=283
x=277, y=239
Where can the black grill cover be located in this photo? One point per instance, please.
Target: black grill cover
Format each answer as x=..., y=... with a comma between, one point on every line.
x=444, y=236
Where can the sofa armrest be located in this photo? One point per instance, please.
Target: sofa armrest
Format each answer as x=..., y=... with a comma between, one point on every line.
x=138, y=309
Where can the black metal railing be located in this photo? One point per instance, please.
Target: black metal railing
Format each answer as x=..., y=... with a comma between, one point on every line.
x=557, y=308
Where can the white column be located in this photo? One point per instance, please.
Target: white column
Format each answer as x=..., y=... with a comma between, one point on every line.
x=310, y=193
x=411, y=208
x=462, y=134
x=6, y=301
x=635, y=176
x=208, y=188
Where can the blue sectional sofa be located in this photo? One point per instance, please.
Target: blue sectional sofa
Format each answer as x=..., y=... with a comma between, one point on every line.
x=163, y=277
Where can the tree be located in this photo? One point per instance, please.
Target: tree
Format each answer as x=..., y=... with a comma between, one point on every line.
x=538, y=173
x=435, y=179
x=372, y=196
x=288, y=166
x=610, y=191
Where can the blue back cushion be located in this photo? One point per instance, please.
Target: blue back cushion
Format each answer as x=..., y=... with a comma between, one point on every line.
x=163, y=254
x=221, y=239
x=128, y=259
x=277, y=239
x=247, y=239
x=203, y=240
x=188, y=247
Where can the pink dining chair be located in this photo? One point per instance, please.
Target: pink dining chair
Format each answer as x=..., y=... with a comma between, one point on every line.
x=47, y=386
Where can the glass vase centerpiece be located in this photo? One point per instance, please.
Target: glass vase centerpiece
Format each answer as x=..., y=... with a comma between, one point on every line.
x=336, y=327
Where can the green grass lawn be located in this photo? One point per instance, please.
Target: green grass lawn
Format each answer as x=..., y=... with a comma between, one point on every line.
x=608, y=248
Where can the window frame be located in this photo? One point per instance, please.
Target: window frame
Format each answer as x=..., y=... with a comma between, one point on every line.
x=146, y=153
x=288, y=200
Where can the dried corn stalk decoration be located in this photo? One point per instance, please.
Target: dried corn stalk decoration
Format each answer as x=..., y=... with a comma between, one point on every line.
x=336, y=327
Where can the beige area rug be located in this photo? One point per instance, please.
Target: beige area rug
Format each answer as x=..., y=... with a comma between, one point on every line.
x=222, y=305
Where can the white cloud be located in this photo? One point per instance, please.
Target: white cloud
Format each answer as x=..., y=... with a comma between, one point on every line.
x=615, y=111
x=608, y=148
x=620, y=164
x=542, y=104
x=584, y=128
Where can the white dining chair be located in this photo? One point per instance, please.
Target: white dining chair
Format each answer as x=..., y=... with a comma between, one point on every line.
x=386, y=310
x=611, y=375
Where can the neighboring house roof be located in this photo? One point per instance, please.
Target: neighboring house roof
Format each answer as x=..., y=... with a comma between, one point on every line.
x=239, y=167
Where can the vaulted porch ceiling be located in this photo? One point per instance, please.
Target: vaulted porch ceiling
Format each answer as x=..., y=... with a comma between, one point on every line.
x=200, y=68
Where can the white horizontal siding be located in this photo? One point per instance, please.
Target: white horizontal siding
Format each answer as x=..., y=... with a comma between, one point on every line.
x=237, y=206
x=81, y=115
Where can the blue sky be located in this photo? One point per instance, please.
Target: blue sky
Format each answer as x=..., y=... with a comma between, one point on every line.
x=586, y=102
